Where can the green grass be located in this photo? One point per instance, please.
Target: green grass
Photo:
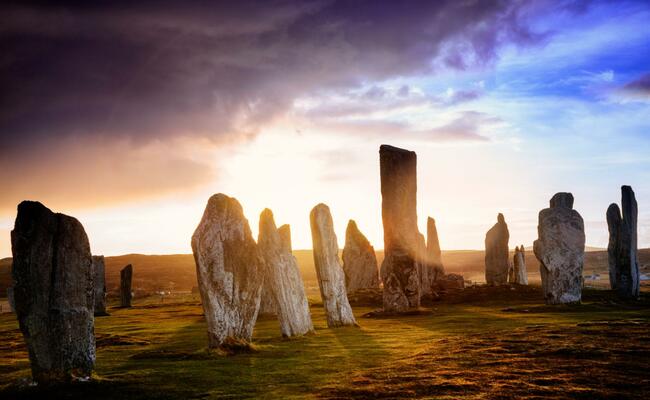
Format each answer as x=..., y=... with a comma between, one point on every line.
x=483, y=343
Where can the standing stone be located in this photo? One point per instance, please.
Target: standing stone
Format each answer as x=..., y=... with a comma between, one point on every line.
x=425, y=273
x=519, y=261
x=398, y=190
x=359, y=261
x=285, y=238
x=497, y=255
x=267, y=305
x=282, y=279
x=126, y=276
x=53, y=293
x=230, y=271
x=99, y=286
x=622, y=249
x=331, y=278
x=434, y=254
x=560, y=250
x=431, y=270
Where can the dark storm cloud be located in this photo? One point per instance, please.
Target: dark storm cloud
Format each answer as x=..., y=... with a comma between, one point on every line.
x=88, y=77
x=153, y=69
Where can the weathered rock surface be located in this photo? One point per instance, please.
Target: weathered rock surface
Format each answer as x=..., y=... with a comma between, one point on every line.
x=449, y=282
x=519, y=263
x=99, y=285
x=400, y=267
x=53, y=293
x=359, y=261
x=497, y=255
x=282, y=279
x=229, y=271
x=331, y=278
x=126, y=277
x=560, y=250
x=285, y=238
x=267, y=304
x=622, y=249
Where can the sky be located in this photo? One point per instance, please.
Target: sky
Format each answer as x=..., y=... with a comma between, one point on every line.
x=129, y=115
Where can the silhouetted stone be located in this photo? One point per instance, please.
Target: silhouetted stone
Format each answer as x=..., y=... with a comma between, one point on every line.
x=622, y=249
x=398, y=190
x=126, y=277
x=434, y=254
x=497, y=255
x=560, y=250
x=425, y=273
x=359, y=261
x=282, y=279
x=53, y=293
x=331, y=278
x=99, y=286
x=519, y=261
x=229, y=270
x=431, y=268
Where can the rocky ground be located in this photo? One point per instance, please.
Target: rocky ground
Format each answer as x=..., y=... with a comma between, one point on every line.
x=481, y=343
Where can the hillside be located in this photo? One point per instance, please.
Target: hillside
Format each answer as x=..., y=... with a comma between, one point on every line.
x=177, y=272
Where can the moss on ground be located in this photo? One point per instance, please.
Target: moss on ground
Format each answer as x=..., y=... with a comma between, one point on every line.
x=483, y=343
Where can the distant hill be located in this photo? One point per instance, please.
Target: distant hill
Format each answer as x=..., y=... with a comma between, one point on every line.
x=178, y=272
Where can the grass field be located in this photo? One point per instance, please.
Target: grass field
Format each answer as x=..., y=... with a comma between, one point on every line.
x=478, y=343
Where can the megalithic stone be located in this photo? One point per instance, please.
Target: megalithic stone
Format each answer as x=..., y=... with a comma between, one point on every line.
x=425, y=273
x=519, y=261
x=434, y=254
x=229, y=269
x=285, y=238
x=560, y=249
x=359, y=261
x=399, y=190
x=331, y=278
x=497, y=255
x=282, y=279
x=53, y=293
x=267, y=304
x=614, y=222
x=99, y=288
x=126, y=276
x=622, y=249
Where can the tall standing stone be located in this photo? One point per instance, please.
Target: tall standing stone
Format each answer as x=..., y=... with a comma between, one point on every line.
x=560, y=250
x=431, y=270
x=285, y=238
x=282, y=279
x=519, y=262
x=53, y=293
x=99, y=288
x=229, y=269
x=434, y=254
x=359, y=261
x=425, y=273
x=398, y=190
x=331, y=278
x=622, y=249
x=268, y=304
x=497, y=256
x=126, y=276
